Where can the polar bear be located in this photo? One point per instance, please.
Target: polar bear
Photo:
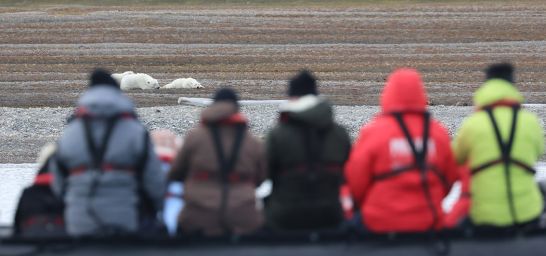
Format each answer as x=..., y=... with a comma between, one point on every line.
x=183, y=83
x=138, y=81
x=119, y=76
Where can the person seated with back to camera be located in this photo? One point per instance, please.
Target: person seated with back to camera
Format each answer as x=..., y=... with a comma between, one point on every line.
x=401, y=166
x=501, y=142
x=306, y=152
x=220, y=165
x=105, y=169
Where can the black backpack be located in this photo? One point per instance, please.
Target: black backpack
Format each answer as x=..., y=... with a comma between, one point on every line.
x=39, y=212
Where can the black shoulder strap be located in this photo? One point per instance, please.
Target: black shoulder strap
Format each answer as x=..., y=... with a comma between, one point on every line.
x=226, y=166
x=236, y=150
x=141, y=166
x=143, y=160
x=312, y=153
x=420, y=158
x=97, y=153
x=146, y=206
x=419, y=155
x=313, y=143
x=97, y=157
x=506, y=149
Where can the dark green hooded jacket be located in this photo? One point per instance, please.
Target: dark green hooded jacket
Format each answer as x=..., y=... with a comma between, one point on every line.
x=306, y=153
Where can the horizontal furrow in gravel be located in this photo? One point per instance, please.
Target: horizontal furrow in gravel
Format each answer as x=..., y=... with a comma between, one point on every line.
x=46, y=54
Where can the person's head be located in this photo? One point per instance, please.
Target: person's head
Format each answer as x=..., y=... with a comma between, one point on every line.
x=102, y=77
x=304, y=83
x=404, y=91
x=498, y=87
x=503, y=71
x=226, y=95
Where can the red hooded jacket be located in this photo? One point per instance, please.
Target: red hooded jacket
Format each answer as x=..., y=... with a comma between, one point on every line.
x=399, y=203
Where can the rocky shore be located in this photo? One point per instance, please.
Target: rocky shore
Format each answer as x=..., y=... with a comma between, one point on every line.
x=24, y=130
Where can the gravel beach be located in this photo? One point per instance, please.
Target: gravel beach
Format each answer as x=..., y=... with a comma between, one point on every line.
x=47, y=52
x=24, y=130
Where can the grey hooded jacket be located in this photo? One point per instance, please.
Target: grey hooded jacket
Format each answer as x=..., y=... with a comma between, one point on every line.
x=100, y=198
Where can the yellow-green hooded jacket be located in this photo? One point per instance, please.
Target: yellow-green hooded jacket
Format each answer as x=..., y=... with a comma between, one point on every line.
x=476, y=144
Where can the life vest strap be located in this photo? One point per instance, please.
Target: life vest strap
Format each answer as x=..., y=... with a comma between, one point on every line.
x=420, y=159
x=232, y=177
x=106, y=167
x=516, y=162
x=394, y=172
x=505, y=148
x=400, y=170
x=83, y=112
x=226, y=166
x=302, y=168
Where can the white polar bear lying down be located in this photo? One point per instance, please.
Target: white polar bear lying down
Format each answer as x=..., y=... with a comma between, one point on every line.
x=138, y=81
x=119, y=76
x=183, y=83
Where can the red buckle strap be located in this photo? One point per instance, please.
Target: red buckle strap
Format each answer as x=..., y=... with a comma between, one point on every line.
x=331, y=167
x=43, y=179
x=105, y=168
x=236, y=118
x=43, y=220
x=166, y=158
x=127, y=115
x=111, y=167
x=81, y=112
x=232, y=178
x=77, y=170
x=84, y=112
x=201, y=176
x=238, y=178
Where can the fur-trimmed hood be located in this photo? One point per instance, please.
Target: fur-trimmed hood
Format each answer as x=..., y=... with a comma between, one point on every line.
x=309, y=109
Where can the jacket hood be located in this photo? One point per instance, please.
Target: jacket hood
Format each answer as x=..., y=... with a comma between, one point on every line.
x=495, y=90
x=404, y=91
x=105, y=101
x=309, y=109
x=222, y=111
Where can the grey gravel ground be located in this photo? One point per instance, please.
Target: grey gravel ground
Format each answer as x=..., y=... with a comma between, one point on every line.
x=23, y=131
